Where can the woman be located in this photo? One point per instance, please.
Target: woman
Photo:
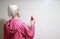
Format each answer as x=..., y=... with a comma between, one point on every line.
x=15, y=28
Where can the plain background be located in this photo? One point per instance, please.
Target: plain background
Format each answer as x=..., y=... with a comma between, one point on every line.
x=45, y=12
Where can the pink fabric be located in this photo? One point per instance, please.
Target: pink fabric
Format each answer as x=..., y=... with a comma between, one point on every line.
x=15, y=29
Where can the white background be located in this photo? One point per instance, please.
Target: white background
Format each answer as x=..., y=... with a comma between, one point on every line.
x=45, y=12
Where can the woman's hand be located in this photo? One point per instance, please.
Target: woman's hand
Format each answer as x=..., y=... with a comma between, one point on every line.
x=32, y=22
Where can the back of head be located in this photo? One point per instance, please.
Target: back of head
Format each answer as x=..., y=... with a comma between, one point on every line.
x=12, y=10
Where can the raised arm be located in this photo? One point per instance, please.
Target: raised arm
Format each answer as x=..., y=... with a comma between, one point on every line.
x=31, y=31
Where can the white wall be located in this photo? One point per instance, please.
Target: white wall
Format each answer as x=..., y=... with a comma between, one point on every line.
x=45, y=12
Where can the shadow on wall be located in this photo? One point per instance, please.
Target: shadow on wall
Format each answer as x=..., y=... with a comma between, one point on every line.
x=2, y=21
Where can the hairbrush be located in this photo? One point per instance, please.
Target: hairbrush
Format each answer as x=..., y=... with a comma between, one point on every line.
x=32, y=18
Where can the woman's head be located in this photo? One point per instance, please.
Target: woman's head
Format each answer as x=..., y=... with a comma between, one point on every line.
x=13, y=10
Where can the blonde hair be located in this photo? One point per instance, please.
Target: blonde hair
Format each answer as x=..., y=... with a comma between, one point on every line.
x=12, y=10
